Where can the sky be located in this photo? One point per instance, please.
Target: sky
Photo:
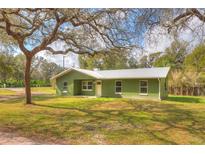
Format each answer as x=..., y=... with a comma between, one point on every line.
x=159, y=40
x=70, y=60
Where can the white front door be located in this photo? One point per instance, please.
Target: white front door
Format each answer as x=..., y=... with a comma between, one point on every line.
x=98, y=88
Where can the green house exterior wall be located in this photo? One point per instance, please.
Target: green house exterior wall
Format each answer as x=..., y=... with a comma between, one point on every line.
x=73, y=79
x=130, y=87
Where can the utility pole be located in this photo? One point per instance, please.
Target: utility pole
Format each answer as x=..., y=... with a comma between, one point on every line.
x=63, y=62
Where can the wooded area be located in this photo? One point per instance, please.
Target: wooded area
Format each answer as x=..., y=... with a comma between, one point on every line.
x=12, y=70
x=187, y=91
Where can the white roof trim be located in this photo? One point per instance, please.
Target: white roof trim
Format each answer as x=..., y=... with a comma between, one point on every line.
x=86, y=72
x=61, y=74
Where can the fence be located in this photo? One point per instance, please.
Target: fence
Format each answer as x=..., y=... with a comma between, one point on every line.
x=191, y=91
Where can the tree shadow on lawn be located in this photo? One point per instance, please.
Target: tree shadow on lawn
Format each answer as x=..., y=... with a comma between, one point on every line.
x=172, y=119
x=12, y=100
x=186, y=122
x=170, y=115
x=21, y=99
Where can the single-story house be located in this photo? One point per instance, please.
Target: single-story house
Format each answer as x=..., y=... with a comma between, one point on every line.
x=141, y=82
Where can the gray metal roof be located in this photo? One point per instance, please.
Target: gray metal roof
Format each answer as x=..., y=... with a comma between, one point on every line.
x=156, y=72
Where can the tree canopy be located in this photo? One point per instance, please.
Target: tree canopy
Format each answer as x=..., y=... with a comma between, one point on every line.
x=112, y=60
x=173, y=56
x=12, y=70
x=196, y=59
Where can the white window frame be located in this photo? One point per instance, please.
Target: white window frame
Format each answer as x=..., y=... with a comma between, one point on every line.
x=143, y=94
x=86, y=86
x=118, y=86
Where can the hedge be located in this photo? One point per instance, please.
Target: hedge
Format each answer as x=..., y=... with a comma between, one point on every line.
x=20, y=83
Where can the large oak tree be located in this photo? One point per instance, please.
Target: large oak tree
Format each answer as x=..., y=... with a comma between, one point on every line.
x=81, y=31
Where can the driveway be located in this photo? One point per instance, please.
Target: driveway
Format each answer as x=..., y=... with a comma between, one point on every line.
x=19, y=92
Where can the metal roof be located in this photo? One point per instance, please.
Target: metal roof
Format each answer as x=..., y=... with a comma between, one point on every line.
x=155, y=72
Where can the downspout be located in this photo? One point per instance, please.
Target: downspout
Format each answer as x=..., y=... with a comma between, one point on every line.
x=159, y=89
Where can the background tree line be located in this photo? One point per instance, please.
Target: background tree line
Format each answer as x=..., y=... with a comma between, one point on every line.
x=12, y=70
x=187, y=66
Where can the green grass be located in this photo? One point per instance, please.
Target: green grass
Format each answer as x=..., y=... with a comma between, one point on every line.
x=66, y=120
x=49, y=90
x=187, y=99
x=7, y=92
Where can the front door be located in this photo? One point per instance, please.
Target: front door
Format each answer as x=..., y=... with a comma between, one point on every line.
x=98, y=88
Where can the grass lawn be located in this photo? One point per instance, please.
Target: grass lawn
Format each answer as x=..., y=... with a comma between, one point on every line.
x=6, y=92
x=66, y=120
x=48, y=90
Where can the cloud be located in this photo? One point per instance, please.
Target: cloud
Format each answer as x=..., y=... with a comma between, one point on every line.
x=194, y=34
x=159, y=39
x=70, y=60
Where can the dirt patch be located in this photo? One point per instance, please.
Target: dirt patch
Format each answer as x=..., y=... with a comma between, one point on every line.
x=10, y=138
x=99, y=139
x=4, y=98
x=21, y=91
x=158, y=126
x=180, y=136
x=113, y=106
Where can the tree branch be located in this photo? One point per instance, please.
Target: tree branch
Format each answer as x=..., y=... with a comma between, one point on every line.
x=52, y=37
x=56, y=52
x=17, y=36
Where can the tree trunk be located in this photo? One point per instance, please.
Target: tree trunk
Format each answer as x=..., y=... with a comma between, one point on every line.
x=27, y=79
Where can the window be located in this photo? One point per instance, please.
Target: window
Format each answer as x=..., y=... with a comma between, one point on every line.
x=65, y=85
x=143, y=87
x=118, y=87
x=87, y=85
